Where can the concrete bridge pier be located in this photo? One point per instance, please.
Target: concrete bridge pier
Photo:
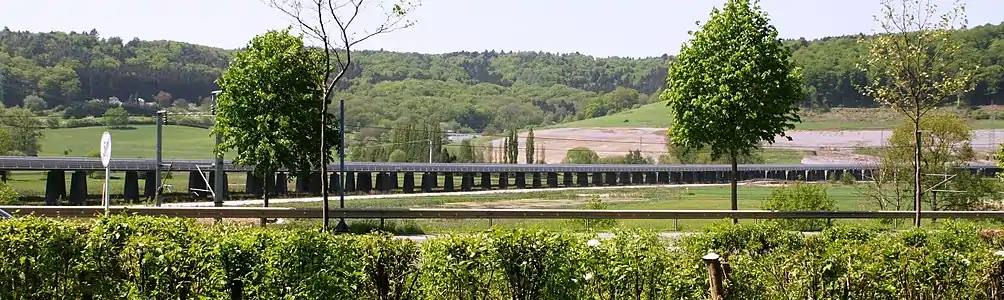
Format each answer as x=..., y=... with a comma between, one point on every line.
x=226, y=185
x=253, y=185
x=364, y=182
x=281, y=184
x=448, y=182
x=503, y=180
x=427, y=182
x=597, y=179
x=394, y=183
x=197, y=184
x=78, y=187
x=582, y=179
x=466, y=181
x=552, y=179
x=381, y=181
x=651, y=178
x=536, y=180
x=316, y=183
x=663, y=178
x=435, y=179
x=486, y=181
x=520, y=180
x=409, y=182
x=350, y=182
x=131, y=188
x=611, y=178
x=566, y=179
x=55, y=187
x=334, y=183
x=149, y=185
x=302, y=183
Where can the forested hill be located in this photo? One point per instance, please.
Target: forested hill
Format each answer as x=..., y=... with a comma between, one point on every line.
x=472, y=90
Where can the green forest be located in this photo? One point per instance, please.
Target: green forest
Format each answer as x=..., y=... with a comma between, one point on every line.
x=488, y=91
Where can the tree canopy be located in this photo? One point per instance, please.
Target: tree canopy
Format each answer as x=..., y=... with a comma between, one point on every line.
x=268, y=105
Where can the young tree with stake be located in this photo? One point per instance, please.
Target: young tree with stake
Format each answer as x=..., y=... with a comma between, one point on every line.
x=332, y=23
x=733, y=86
x=913, y=67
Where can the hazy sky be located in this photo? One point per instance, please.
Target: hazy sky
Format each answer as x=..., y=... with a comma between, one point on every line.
x=596, y=27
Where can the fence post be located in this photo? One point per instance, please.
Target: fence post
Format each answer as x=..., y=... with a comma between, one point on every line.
x=715, y=275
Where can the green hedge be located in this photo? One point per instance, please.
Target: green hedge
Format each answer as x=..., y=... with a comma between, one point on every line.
x=159, y=258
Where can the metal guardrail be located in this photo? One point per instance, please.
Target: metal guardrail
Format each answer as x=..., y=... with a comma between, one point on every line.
x=447, y=213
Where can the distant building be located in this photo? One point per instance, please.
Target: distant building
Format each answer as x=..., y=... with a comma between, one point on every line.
x=454, y=137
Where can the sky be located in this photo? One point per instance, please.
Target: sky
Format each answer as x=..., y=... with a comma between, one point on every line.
x=625, y=28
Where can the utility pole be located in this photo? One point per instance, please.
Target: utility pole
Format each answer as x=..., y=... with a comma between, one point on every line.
x=218, y=188
x=430, y=151
x=161, y=115
x=341, y=227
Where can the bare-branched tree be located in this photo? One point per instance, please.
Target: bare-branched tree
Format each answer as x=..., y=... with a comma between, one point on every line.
x=333, y=25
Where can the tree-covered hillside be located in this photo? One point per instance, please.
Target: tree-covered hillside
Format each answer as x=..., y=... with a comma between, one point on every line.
x=475, y=91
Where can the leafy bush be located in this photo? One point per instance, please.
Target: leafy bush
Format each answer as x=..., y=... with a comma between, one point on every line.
x=846, y=178
x=122, y=257
x=8, y=195
x=801, y=196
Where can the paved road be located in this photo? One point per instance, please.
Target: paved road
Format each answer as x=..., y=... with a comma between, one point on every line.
x=398, y=196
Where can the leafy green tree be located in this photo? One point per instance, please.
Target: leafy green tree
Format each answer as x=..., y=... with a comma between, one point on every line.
x=116, y=118
x=581, y=155
x=530, y=150
x=467, y=153
x=915, y=65
x=25, y=129
x=733, y=86
x=34, y=103
x=267, y=108
x=398, y=155
x=6, y=144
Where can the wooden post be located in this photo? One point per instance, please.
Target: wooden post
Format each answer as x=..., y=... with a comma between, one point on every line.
x=715, y=275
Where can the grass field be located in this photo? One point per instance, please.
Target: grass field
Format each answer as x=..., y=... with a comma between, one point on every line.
x=136, y=142
x=656, y=115
x=677, y=198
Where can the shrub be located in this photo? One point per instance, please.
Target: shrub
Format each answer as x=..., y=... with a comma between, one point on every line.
x=8, y=195
x=801, y=197
x=459, y=267
x=536, y=264
x=846, y=178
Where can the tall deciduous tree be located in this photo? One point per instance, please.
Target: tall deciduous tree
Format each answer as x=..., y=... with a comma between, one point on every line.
x=267, y=108
x=530, y=150
x=25, y=130
x=733, y=86
x=116, y=117
x=330, y=22
x=914, y=66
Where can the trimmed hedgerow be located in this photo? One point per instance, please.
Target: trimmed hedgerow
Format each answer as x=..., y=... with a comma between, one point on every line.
x=163, y=258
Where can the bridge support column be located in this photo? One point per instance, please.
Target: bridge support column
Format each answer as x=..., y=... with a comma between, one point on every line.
x=503, y=180
x=394, y=183
x=536, y=180
x=582, y=179
x=149, y=185
x=364, y=183
x=226, y=185
x=78, y=188
x=197, y=184
x=663, y=177
x=334, y=183
x=302, y=183
x=381, y=181
x=448, y=182
x=253, y=185
x=55, y=187
x=131, y=189
x=520, y=180
x=435, y=179
x=552, y=179
x=281, y=184
x=486, y=181
x=350, y=182
x=466, y=181
x=566, y=179
x=427, y=180
x=597, y=179
x=315, y=183
x=409, y=183
x=611, y=178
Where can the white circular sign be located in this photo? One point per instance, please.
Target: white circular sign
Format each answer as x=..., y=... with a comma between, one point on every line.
x=106, y=148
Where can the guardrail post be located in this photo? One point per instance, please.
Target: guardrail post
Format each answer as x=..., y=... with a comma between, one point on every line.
x=716, y=275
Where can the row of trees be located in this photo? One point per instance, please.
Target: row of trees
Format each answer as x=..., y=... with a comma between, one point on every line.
x=733, y=101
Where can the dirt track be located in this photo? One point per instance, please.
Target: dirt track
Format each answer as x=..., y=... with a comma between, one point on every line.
x=831, y=146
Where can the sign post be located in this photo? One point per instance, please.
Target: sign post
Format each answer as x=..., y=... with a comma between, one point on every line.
x=106, y=157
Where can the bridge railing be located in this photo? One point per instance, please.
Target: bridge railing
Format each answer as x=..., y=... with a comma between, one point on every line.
x=449, y=213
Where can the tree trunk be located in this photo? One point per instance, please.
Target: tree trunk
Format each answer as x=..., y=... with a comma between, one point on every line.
x=735, y=183
x=324, y=163
x=916, y=172
x=265, y=204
